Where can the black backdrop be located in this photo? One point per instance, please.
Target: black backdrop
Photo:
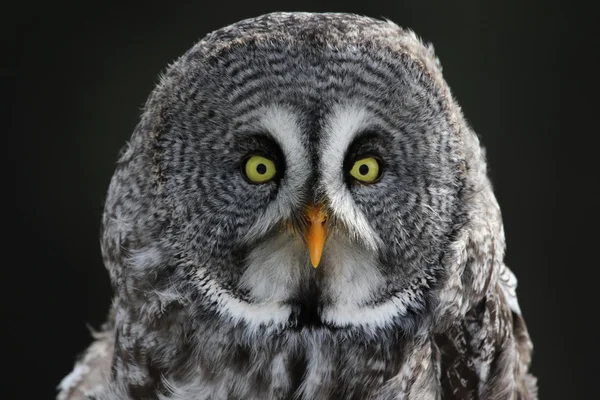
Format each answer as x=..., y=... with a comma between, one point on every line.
x=77, y=76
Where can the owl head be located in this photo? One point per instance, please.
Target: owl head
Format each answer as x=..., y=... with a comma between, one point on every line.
x=303, y=171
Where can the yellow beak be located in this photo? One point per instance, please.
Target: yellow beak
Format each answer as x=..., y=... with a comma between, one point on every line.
x=315, y=233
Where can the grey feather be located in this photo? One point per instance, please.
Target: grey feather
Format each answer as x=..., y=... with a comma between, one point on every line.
x=215, y=297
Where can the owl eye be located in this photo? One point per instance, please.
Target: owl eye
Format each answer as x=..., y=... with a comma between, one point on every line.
x=259, y=169
x=366, y=170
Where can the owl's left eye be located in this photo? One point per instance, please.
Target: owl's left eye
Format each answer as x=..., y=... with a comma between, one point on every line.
x=259, y=169
x=366, y=170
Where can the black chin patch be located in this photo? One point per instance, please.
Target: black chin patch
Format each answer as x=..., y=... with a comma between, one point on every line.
x=306, y=309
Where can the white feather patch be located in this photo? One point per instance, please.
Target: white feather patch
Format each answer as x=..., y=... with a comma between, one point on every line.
x=351, y=280
x=270, y=315
x=281, y=123
x=73, y=380
x=276, y=268
x=342, y=126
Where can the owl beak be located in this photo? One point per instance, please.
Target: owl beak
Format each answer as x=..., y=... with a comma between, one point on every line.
x=315, y=233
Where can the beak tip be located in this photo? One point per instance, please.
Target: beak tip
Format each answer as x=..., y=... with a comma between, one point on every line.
x=315, y=256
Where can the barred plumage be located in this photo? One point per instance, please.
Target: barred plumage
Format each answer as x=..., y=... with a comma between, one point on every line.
x=215, y=296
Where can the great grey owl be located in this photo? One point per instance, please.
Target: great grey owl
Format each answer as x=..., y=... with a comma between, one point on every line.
x=303, y=213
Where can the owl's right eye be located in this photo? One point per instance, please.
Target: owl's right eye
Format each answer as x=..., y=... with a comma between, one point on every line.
x=258, y=169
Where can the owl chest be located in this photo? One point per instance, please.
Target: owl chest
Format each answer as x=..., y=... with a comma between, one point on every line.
x=323, y=367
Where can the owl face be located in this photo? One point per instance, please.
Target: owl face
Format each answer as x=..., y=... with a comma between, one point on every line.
x=293, y=182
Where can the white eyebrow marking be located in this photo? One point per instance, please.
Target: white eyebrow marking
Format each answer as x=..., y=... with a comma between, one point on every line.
x=282, y=124
x=342, y=126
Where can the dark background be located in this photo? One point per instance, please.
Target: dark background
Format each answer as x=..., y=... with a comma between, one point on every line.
x=76, y=76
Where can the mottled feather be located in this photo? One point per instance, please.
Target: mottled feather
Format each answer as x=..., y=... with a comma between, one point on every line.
x=215, y=294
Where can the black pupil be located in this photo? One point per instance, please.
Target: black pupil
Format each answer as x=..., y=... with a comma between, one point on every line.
x=261, y=168
x=363, y=169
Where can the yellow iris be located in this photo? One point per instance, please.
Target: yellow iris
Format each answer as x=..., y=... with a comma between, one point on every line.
x=366, y=170
x=259, y=169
